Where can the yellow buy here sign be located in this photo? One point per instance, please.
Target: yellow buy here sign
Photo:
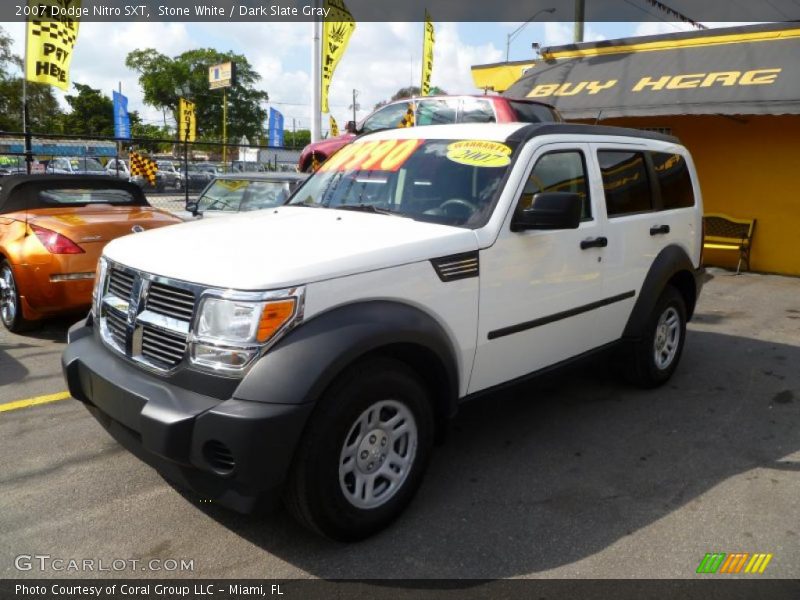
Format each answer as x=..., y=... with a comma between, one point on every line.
x=50, y=40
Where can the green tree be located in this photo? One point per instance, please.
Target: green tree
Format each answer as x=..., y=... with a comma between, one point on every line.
x=411, y=91
x=297, y=139
x=92, y=112
x=139, y=129
x=162, y=78
x=44, y=113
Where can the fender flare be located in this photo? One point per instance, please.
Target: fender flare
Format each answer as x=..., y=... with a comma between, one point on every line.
x=670, y=261
x=299, y=368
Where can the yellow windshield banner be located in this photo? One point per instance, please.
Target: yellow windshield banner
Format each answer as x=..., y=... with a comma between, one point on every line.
x=386, y=155
x=51, y=35
x=187, y=121
x=479, y=153
x=427, y=56
x=336, y=34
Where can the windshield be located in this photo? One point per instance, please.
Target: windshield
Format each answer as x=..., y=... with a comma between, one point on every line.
x=243, y=195
x=443, y=181
x=89, y=164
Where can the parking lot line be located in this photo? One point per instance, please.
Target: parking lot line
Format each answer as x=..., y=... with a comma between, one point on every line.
x=34, y=401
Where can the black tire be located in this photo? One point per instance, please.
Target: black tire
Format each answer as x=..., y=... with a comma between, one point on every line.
x=10, y=306
x=647, y=370
x=315, y=493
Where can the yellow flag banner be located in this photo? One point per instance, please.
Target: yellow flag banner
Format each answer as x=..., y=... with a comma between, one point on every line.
x=334, y=127
x=50, y=39
x=427, y=57
x=336, y=34
x=187, y=124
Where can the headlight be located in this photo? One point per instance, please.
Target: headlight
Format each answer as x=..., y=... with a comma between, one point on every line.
x=232, y=331
x=97, y=291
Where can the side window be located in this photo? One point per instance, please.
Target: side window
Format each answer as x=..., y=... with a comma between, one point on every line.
x=674, y=181
x=436, y=112
x=625, y=182
x=562, y=171
x=476, y=110
x=387, y=117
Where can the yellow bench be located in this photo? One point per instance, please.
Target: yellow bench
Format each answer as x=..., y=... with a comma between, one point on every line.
x=726, y=233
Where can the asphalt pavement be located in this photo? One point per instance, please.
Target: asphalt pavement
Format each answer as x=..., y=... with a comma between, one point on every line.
x=575, y=475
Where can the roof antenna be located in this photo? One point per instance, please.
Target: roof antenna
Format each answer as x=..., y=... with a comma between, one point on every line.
x=597, y=120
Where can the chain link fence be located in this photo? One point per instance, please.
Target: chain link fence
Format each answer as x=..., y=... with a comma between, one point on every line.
x=184, y=169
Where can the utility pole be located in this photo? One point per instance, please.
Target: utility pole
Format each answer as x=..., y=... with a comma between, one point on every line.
x=580, y=17
x=355, y=105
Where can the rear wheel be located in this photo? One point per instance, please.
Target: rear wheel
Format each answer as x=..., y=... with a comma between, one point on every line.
x=364, y=452
x=10, y=307
x=657, y=353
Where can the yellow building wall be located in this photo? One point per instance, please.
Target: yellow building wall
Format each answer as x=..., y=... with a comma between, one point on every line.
x=749, y=167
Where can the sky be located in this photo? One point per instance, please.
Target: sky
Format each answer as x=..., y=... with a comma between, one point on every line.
x=381, y=57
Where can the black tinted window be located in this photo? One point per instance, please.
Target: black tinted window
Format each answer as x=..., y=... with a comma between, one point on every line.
x=529, y=112
x=674, y=181
x=558, y=172
x=625, y=182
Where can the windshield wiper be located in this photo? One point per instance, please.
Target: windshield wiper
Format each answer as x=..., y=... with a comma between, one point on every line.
x=370, y=208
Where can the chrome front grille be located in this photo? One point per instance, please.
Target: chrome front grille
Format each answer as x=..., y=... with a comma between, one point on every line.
x=116, y=322
x=170, y=301
x=162, y=346
x=147, y=318
x=120, y=283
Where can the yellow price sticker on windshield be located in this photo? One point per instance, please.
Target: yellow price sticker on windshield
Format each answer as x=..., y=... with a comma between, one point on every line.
x=479, y=153
x=232, y=184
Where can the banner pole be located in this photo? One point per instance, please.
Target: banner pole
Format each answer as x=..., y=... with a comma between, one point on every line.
x=224, y=130
x=118, y=142
x=316, y=80
x=25, y=131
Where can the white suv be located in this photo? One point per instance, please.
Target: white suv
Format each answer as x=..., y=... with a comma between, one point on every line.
x=315, y=350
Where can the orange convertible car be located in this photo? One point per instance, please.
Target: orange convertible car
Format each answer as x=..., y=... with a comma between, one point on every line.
x=52, y=231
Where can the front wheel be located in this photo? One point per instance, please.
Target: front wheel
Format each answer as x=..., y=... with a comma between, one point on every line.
x=657, y=354
x=364, y=452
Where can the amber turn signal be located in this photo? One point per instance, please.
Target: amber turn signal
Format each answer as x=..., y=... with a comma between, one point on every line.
x=274, y=316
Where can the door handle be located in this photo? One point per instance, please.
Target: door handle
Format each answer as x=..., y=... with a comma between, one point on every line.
x=598, y=242
x=659, y=229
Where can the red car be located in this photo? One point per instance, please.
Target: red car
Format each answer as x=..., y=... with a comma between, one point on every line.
x=434, y=110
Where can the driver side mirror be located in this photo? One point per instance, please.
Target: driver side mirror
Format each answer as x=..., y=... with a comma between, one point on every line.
x=550, y=210
x=350, y=127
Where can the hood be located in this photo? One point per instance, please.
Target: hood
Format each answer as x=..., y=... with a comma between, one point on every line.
x=282, y=247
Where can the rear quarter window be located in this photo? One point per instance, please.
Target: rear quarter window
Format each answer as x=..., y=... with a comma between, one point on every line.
x=529, y=112
x=625, y=182
x=674, y=181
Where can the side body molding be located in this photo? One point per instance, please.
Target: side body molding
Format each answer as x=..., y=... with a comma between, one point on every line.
x=299, y=367
x=671, y=261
